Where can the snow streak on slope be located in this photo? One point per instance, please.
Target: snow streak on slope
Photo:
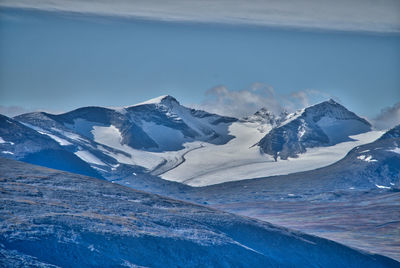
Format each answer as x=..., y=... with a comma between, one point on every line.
x=239, y=159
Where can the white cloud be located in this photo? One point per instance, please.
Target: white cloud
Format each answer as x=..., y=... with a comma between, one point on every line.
x=353, y=15
x=239, y=103
x=388, y=117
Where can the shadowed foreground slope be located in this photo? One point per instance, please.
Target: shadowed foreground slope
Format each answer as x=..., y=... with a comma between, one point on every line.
x=51, y=217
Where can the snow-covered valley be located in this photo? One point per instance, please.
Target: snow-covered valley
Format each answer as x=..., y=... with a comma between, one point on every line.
x=239, y=159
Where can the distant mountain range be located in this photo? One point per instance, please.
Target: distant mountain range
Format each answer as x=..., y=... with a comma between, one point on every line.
x=162, y=138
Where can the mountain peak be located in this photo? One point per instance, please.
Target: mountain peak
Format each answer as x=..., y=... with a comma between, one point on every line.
x=163, y=99
x=266, y=116
x=328, y=103
x=264, y=112
x=167, y=99
x=324, y=124
x=332, y=101
x=331, y=109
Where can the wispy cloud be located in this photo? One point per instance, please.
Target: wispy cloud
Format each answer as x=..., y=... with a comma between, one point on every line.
x=239, y=103
x=353, y=15
x=388, y=117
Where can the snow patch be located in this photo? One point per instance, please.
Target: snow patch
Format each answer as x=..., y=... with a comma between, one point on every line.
x=88, y=157
x=3, y=141
x=302, y=131
x=60, y=141
x=114, y=167
x=366, y=158
x=100, y=169
x=7, y=152
x=395, y=150
x=111, y=137
x=70, y=135
x=382, y=187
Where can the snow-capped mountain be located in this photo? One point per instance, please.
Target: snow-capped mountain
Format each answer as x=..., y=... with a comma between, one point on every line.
x=160, y=124
x=146, y=137
x=58, y=219
x=324, y=124
x=378, y=162
x=162, y=138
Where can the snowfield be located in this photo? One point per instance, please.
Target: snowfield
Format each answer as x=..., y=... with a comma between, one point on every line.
x=239, y=159
x=152, y=161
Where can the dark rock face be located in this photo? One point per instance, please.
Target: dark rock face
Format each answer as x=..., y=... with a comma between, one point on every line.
x=28, y=145
x=58, y=219
x=392, y=133
x=324, y=124
x=265, y=116
x=21, y=140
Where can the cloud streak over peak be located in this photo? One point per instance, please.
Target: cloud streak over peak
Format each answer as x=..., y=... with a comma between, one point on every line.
x=238, y=103
x=343, y=15
x=389, y=117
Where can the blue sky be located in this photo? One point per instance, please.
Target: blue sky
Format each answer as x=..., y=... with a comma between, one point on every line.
x=58, y=61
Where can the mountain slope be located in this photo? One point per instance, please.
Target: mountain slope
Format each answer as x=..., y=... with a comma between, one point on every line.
x=18, y=141
x=354, y=201
x=63, y=219
x=324, y=124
